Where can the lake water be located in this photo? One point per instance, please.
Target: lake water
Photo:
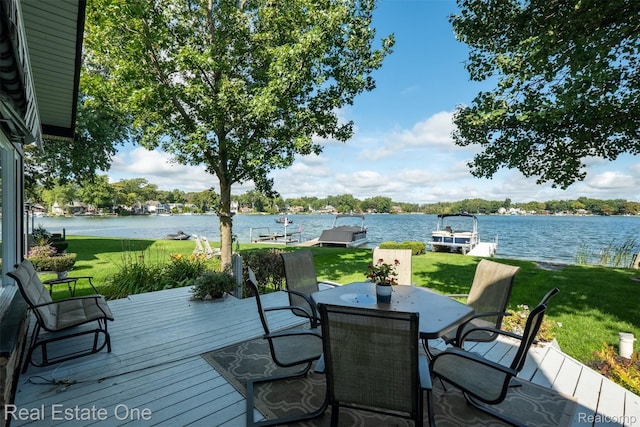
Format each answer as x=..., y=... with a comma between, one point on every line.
x=539, y=238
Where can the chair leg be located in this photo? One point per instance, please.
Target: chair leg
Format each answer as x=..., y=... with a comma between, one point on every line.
x=431, y=415
x=335, y=414
x=35, y=343
x=283, y=420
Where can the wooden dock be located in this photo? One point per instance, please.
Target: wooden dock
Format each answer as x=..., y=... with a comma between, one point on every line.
x=156, y=376
x=484, y=249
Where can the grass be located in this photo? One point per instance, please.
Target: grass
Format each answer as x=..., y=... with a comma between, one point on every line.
x=595, y=303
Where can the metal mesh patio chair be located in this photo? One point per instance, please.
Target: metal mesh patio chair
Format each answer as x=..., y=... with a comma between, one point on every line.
x=372, y=363
x=482, y=381
x=489, y=296
x=403, y=256
x=301, y=282
x=63, y=317
x=289, y=347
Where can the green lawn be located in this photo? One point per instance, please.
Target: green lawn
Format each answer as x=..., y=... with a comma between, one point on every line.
x=594, y=303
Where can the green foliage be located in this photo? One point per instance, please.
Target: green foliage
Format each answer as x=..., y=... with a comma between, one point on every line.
x=213, y=284
x=518, y=319
x=40, y=235
x=54, y=262
x=100, y=128
x=566, y=85
x=417, y=248
x=612, y=255
x=268, y=266
x=41, y=251
x=239, y=87
x=146, y=271
x=383, y=273
x=181, y=267
x=625, y=372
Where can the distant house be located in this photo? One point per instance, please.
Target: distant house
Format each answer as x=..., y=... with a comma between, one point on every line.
x=78, y=208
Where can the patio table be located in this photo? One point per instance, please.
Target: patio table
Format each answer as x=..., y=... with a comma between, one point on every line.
x=438, y=313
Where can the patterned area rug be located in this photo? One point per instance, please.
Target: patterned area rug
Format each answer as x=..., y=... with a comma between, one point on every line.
x=528, y=403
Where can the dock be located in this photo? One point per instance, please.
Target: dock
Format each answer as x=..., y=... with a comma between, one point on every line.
x=484, y=249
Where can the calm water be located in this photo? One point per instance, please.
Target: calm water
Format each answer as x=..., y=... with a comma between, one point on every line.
x=540, y=238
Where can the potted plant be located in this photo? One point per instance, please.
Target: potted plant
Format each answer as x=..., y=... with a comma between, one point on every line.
x=62, y=263
x=213, y=285
x=384, y=275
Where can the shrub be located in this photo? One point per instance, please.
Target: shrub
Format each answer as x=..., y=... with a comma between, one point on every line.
x=41, y=251
x=268, y=266
x=40, y=235
x=140, y=272
x=417, y=248
x=518, y=319
x=624, y=372
x=213, y=284
x=60, y=262
x=181, y=267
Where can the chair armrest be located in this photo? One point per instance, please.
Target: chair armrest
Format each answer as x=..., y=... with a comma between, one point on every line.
x=459, y=339
x=475, y=357
x=453, y=352
x=424, y=373
x=493, y=330
x=95, y=297
x=285, y=307
x=293, y=332
x=307, y=298
x=309, y=316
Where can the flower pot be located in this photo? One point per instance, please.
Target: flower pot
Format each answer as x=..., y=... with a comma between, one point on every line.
x=383, y=293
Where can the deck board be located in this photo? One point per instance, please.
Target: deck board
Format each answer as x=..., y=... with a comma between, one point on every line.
x=158, y=338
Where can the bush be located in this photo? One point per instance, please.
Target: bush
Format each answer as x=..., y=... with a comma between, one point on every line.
x=60, y=262
x=213, y=284
x=267, y=265
x=182, y=268
x=41, y=251
x=40, y=235
x=518, y=319
x=625, y=372
x=140, y=273
x=417, y=248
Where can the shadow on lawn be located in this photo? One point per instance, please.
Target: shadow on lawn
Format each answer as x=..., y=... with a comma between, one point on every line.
x=602, y=291
x=88, y=249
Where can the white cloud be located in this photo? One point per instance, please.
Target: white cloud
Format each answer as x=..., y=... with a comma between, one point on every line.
x=417, y=165
x=157, y=168
x=611, y=180
x=435, y=130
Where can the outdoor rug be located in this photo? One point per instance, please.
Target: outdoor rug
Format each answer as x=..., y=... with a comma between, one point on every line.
x=530, y=404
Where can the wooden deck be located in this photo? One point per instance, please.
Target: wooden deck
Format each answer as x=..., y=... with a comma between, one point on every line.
x=158, y=377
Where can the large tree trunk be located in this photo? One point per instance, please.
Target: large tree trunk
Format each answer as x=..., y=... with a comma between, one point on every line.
x=224, y=214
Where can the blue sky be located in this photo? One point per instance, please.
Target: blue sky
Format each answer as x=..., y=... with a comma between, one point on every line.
x=402, y=146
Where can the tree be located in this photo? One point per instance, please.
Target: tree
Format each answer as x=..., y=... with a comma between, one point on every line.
x=567, y=88
x=97, y=192
x=239, y=86
x=100, y=127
